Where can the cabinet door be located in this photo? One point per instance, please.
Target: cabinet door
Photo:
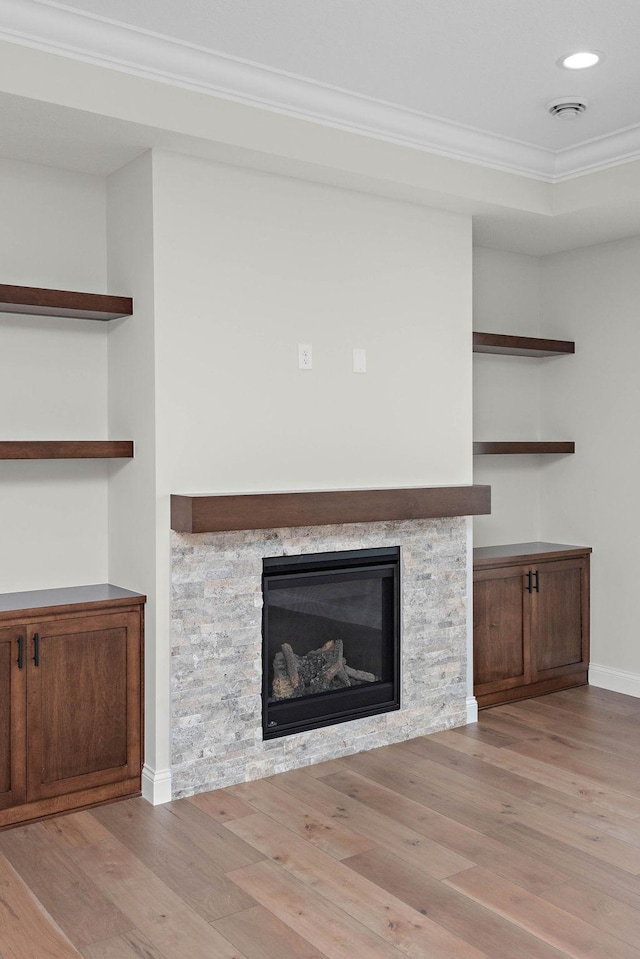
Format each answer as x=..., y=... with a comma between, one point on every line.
x=83, y=704
x=13, y=747
x=501, y=629
x=560, y=617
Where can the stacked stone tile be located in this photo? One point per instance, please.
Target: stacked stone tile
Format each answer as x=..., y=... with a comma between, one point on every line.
x=216, y=648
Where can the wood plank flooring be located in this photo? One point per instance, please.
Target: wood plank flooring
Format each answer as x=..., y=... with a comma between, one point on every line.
x=516, y=838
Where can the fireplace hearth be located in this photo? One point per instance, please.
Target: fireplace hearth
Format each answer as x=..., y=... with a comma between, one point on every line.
x=331, y=638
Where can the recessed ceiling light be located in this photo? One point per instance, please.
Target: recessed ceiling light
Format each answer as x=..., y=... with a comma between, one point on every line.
x=580, y=61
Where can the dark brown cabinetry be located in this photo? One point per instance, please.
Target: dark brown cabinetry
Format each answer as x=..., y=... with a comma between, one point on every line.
x=530, y=620
x=70, y=699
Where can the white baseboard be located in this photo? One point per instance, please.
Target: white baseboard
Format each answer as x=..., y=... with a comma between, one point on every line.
x=472, y=710
x=156, y=785
x=617, y=680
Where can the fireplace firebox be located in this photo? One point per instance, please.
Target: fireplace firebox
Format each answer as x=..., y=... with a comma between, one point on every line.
x=331, y=638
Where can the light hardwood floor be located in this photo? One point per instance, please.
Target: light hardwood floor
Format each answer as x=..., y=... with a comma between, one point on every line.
x=518, y=838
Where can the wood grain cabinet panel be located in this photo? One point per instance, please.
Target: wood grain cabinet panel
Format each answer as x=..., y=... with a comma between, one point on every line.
x=559, y=616
x=12, y=717
x=531, y=620
x=71, y=710
x=79, y=704
x=499, y=628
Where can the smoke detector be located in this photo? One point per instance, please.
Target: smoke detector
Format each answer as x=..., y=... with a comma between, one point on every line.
x=567, y=108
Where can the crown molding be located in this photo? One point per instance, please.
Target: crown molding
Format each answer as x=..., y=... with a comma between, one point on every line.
x=602, y=153
x=54, y=28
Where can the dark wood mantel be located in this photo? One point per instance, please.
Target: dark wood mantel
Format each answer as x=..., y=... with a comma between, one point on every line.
x=210, y=514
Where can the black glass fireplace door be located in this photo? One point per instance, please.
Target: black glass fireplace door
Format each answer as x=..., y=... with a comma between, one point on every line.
x=331, y=637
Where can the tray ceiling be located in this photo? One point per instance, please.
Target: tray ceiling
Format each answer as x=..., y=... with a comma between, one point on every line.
x=488, y=66
x=363, y=94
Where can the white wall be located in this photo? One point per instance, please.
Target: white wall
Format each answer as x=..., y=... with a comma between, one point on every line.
x=134, y=561
x=53, y=380
x=506, y=394
x=248, y=265
x=593, y=296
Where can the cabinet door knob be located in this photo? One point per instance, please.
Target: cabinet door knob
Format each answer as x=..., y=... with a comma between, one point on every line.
x=20, y=659
x=36, y=649
x=537, y=584
x=529, y=581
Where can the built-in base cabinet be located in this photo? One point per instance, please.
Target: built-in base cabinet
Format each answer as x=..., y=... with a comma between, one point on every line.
x=70, y=699
x=531, y=620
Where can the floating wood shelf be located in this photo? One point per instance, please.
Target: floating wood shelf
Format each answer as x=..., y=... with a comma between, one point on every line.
x=65, y=449
x=520, y=345
x=208, y=514
x=481, y=448
x=41, y=302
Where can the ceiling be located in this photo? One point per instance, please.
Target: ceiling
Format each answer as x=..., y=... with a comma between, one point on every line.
x=489, y=66
x=463, y=79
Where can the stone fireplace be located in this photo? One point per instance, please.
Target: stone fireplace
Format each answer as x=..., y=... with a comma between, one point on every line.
x=216, y=643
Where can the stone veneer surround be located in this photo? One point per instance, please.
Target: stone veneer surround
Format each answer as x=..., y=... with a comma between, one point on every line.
x=216, y=648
